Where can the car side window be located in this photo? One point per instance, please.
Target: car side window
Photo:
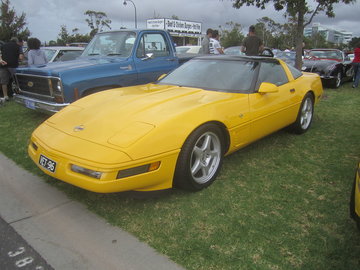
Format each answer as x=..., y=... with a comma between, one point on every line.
x=152, y=43
x=271, y=72
x=295, y=72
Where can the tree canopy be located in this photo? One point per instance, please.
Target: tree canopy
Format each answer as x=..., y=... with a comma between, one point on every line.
x=12, y=25
x=97, y=21
x=299, y=11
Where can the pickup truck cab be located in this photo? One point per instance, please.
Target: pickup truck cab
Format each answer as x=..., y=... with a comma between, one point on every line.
x=112, y=59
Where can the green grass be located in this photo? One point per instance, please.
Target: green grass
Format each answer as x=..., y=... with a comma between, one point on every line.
x=280, y=203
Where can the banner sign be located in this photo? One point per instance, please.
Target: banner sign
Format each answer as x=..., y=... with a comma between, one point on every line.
x=175, y=25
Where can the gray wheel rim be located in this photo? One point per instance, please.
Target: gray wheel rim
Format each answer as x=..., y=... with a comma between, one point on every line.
x=205, y=157
x=338, y=79
x=306, y=113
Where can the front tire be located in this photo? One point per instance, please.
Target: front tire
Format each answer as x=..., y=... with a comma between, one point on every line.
x=200, y=158
x=305, y=115
x=337, y=81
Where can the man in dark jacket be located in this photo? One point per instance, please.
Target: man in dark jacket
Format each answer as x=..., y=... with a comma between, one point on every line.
x=252, y=44
x=11, y=53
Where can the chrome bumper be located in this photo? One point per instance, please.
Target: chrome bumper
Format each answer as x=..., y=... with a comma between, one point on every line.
x=39, y=105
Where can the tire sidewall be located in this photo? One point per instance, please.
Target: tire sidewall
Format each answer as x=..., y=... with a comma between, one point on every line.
x=297, y=128
x=183, y=177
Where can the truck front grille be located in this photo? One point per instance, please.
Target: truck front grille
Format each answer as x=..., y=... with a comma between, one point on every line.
x=35, y=84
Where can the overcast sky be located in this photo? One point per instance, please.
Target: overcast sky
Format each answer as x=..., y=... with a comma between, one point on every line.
x=45, y=17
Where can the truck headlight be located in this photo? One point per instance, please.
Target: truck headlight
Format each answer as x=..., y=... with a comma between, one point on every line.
x=56, y=86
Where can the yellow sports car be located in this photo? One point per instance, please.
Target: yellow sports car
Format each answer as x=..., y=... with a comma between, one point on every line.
x=355, y=198
x=176, y=131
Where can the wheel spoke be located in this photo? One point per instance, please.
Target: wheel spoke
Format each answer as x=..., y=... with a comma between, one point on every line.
x=196, y=167
x=207, y=143
x=205, y=157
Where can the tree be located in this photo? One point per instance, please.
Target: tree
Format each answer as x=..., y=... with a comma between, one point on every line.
x=97, y=21
x=298, y=10
x=354, y=42
x=63, y=36
x=268, y=30
x=11, y=24
x=231, y=35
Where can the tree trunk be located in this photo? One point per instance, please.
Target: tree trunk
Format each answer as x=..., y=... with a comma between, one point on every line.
x=299, y=39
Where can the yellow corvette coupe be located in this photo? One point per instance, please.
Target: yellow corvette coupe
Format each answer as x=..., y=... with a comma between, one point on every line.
x=355, y=198
x=174, y=132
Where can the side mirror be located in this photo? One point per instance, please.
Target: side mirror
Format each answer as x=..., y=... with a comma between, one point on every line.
x=148, y=56
x=161, y=76
x=266, y=87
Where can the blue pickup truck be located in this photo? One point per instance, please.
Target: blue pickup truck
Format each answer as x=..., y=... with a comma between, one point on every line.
x=112, y=59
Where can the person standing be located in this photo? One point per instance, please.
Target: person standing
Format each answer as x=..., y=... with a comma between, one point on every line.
x=356, y=65
x=11, y=53
x=36, y=56
x=252, y=44
x=206, y=42
x=215, y=46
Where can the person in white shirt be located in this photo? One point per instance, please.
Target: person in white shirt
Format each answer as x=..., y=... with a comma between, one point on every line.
x=215, y=46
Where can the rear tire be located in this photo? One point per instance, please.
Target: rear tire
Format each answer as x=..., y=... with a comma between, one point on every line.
x=200, y=158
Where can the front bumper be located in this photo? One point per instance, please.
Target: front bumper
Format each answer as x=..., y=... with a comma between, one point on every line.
x=39, y=105
x=159, y=179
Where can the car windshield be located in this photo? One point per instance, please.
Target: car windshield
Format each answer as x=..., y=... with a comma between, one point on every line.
x=214, y=74
x=111, y=44
x=326, y=54
x=49, y=54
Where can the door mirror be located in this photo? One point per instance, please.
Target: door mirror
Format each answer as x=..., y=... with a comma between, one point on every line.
x=148, y=56
x=266, y=87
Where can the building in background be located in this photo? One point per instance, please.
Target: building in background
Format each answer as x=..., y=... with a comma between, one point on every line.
x=330, y=34
x=182, y=32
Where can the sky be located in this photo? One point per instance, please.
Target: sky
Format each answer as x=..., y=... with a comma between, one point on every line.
x=45, y=17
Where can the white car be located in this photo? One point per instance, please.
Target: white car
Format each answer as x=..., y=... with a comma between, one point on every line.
x=188, y=49
x=62, y=53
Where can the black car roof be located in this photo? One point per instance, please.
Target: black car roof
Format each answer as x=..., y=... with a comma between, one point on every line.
x=238, y=57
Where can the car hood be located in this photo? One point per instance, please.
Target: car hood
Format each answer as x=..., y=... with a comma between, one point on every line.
x=120, y=117
x=56, y=68
x=319, y=63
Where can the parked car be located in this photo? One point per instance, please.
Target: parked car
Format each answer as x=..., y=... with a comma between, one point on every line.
x=287, y=57
x=355, y=198
x=235, y=50
x=174, y=132
x=333, y=66
x=111, y=59
x=62, y=53
x=188, y=49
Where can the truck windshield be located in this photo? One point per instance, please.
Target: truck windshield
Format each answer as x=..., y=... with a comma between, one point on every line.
x=111, y=44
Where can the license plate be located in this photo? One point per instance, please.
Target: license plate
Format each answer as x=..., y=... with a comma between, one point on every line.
x=47, y=163
x=30, y=104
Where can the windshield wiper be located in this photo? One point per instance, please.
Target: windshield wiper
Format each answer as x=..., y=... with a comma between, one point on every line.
x=92, y=54
x=111, y=54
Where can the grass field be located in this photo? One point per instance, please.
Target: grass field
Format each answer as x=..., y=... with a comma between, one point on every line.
x=280, y=203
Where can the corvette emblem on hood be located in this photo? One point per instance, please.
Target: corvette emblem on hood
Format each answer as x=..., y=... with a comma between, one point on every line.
x=79, y=128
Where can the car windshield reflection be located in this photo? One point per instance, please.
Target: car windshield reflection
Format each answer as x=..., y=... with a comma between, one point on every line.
x=217, y=75
x=111, y=44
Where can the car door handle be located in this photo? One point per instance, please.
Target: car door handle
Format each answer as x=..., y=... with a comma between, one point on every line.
x=292, y=90
x=170, y=59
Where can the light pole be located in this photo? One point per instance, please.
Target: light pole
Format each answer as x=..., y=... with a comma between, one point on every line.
x=134, y=8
